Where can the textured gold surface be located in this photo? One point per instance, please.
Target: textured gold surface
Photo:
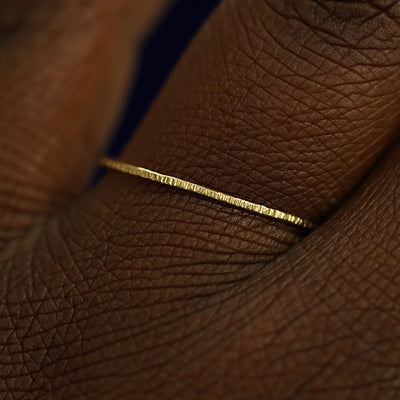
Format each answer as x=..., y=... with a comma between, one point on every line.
x=203, y=191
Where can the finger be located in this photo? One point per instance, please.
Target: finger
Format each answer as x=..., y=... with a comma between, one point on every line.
x=159, y=299
x=63, y=73
x=286, y=104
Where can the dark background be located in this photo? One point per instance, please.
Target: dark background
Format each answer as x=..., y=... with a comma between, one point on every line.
x=160, y=53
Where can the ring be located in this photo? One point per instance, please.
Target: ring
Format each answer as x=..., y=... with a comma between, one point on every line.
x=204, y=191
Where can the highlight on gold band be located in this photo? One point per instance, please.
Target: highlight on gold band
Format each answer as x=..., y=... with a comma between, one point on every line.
x=203, y=191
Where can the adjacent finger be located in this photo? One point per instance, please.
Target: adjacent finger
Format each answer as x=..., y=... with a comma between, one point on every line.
x=64, y=70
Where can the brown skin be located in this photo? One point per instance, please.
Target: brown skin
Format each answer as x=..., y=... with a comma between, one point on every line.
x=138, y=291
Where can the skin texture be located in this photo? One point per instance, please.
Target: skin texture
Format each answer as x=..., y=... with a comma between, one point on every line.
x=134, y=290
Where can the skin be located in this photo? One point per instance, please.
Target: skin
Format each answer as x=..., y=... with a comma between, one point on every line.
x=132, y=290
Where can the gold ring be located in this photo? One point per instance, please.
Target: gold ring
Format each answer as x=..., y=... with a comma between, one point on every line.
x=204, y=191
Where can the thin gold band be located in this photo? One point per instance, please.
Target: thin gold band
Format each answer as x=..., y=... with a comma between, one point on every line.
x=203, y=191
